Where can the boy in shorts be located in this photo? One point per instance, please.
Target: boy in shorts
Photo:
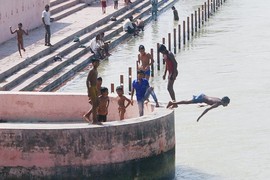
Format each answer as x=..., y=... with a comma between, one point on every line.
x=104, y=102
x=214, y=102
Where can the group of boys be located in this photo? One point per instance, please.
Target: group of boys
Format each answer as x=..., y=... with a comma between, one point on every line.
x=98, y=97
x=143, y=89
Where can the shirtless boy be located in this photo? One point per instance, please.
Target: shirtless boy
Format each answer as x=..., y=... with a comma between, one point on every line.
x=20, y=32
x=171, y=67
x=104, y=102
x=214, y=102
x=121, y=102
x=145, y=60
x=91, y=84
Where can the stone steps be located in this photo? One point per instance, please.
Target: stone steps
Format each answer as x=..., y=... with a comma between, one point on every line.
x=22, y=76
x=54, y=9
x=49, y=51
x=69, y=11
x=116, y=35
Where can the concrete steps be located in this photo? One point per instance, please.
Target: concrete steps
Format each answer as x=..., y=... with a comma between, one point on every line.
x=116, y=35
x=46, y=74
x=48, y=51
x=69, y=11
x=18, y=78
x=60, y=9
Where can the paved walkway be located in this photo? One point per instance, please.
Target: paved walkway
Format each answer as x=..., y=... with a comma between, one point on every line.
x=34, y=42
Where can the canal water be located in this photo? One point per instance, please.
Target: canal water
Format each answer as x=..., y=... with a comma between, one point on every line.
x=228, y=56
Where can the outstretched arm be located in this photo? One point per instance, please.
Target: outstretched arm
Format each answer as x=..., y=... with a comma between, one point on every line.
x=208, y=109
x=12, y=32
x=25, y=32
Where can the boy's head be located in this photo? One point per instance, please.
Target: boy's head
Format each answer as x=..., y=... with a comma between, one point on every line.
x=173, y=8
x=119, y=90
x=47, y=7
x=20, y=25
x=141, y=49
x=99, y=81
x=140, y=74
x=131, y=18
x=95, y=62
x=162, y=49
x=225, y=101
x=104, y=91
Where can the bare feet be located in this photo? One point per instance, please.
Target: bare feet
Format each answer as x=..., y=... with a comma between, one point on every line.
x=86, y=119
x=157, y=104
x=169, y=104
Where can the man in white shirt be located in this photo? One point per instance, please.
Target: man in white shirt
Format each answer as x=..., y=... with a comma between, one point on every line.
x=46, y=19
x=95, y=46
x=130, y=27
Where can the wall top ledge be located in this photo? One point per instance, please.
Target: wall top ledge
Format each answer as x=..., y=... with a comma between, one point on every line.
x=156, y=114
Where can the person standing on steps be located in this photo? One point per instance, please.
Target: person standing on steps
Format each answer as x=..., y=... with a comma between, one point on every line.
x=46, y=19
x=103, y=6
x=154, y=9
x=171, y=67
x=175, y=14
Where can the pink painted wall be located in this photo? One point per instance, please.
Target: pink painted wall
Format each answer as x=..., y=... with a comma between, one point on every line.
x=31, y=106
x=36, y=150
x=12, y=12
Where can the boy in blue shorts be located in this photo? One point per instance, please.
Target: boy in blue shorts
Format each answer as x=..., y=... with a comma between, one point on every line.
x=214, y=102
x=145, y=60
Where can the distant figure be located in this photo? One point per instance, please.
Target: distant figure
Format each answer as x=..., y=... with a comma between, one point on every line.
x=103, y=6
x=121, y=102
x=130, y=27
x=104, y=44
x=175, y=14
x=140, y=24
x=115, y=4
x=154, y=9
x=104, y=102
x=143, y=90
x=171, y=67
x=145, y=60
x=20, y=32
x=46, y=19
x=91, y=84
x=214, y=102
x=96, y=48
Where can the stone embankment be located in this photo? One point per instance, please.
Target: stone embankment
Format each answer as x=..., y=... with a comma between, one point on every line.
x=41, y=139
x=40, y=72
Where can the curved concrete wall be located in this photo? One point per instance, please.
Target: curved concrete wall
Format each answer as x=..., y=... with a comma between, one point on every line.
x=54, y=107
x=40, y=149
x=12, y=12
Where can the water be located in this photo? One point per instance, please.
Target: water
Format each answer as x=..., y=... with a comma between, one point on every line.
x=229, y=56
